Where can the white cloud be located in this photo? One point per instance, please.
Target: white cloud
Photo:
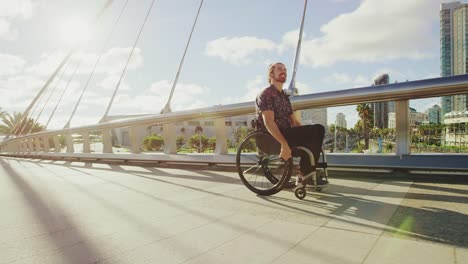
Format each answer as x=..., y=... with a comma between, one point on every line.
x=253, y=88
x=10, y=64
x=289, y=40
x=6, y=32
x=377, y=30
x=17, y=8
x=112, y=62
x=343, y=79
x=304, y=88
x=9, y=11
x=18, y=91
x=238, y=50
x=110, y=82
x=186, y=96
x=47, y=64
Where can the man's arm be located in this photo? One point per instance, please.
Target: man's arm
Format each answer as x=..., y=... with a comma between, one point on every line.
x=269, y=120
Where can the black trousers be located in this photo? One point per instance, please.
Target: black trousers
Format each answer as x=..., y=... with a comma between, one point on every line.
x=309, y=136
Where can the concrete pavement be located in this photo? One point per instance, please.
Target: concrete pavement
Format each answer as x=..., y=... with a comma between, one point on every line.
x=63, y=212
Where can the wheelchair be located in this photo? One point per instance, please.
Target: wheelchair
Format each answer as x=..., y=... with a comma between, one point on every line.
x=262, y=170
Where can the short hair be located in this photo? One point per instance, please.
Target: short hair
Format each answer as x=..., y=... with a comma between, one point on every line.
x=271, y=68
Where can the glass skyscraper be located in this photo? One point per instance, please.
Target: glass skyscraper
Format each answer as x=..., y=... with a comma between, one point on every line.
x=453, y=50
x=381, y=109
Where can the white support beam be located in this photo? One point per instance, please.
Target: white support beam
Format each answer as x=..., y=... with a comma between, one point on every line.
x=86, y=143
x=169, y=135
x=402, y=116
x=45, y=143
x=70, y=145
x=221, y=136
x=135, y=139
x=57, y=147
x=106, y=141
x=30, y=145
x=37, y=144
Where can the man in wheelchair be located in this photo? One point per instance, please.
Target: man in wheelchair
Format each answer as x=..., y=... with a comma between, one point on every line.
x=275, y=114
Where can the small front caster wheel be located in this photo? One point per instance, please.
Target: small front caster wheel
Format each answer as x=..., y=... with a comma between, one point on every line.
x=319, y=189
x=300, y=193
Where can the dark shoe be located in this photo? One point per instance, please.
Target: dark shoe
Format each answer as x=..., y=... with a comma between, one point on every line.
x=322, y=182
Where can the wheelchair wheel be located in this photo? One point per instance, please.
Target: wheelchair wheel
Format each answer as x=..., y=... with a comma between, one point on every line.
x=259, y=165
x=300, y=193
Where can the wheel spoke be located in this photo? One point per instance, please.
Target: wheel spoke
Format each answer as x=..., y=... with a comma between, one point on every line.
x=261, y=172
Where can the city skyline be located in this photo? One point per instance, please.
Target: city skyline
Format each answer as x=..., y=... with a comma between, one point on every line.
x=227, y=58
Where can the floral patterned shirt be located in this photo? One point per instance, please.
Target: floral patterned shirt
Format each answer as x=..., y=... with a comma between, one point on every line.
x=276, y=101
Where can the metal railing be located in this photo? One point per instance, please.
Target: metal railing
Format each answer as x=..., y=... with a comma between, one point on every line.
x=37, y=145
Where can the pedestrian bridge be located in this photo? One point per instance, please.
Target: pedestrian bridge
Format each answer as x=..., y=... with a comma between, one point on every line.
x=47, y=145
x=61, y=206
x=57, y=211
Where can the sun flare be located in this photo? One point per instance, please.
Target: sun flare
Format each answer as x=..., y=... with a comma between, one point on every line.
x=74, y=31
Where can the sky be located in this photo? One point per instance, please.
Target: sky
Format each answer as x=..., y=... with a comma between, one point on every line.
x=346, y=44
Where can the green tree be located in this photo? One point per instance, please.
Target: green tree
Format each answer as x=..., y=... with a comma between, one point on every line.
x=153, y=142
x=366, y=115
x=14, y=125
x=199, y=130
x=240, y=133
x=212, y=143
x=199, y=142
x=2, y=113
x=180, y=141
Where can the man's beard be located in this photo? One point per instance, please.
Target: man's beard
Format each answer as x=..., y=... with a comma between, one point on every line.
x=281, y=79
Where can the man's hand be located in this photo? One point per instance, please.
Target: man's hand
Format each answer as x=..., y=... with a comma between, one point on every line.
x=285, y=152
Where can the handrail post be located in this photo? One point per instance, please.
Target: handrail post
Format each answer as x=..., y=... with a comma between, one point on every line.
x=86, y=143
x=37, y=144
x=69, y=140
x=45, y=143
x=57, y=147
x=21, y=147
x=106, y=141
x=135, y=139
x=221, y=137
x=30, y=145
x=169, y=135
x=402, y=117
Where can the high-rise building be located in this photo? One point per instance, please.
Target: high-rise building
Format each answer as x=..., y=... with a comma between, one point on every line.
x=381, y=109
x=453, y=50
x=314, y=116
x=434, y=114
x=341, y=121
x=415, y=119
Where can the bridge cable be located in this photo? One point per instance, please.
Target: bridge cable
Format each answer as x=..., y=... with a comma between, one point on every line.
x=50, y=96
x=292, y=84
x=64, y=90
x=167, y=108
x=103, y=119
x=30, y=120
x=52, y=77
x=101, y=53
x=28, y=109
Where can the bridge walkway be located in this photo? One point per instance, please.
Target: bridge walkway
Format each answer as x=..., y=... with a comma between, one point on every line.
x=78, y=212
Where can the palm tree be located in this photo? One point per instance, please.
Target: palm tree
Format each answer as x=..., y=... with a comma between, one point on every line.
x=12, y=126
x=199, y=130
x=2, y=113
x=365, y=113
